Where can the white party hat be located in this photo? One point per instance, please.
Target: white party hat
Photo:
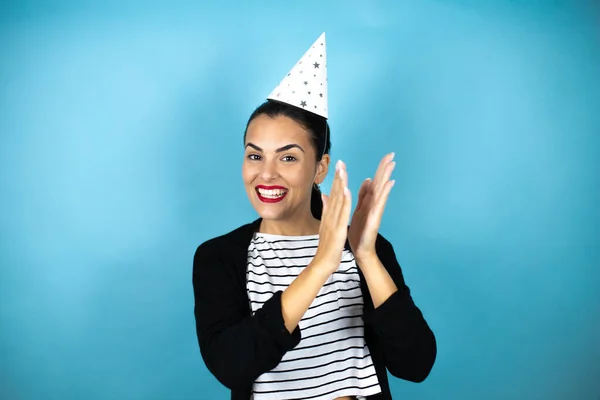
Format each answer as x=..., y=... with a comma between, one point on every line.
x=305, y=86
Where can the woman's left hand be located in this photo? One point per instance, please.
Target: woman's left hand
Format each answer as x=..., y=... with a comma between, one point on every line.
x=372, y=197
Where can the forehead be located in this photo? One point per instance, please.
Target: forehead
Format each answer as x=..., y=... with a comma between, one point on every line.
x=267, y=132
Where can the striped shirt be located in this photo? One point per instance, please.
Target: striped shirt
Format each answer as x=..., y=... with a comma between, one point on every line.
x=332, y=359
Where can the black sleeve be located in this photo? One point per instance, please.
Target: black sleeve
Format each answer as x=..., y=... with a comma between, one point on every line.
x=236, y=347
x=409, y=344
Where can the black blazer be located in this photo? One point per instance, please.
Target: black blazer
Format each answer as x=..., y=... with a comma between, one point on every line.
x=237, y=347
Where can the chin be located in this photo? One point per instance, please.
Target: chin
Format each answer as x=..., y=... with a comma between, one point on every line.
x=270, y=215
x=272, y=212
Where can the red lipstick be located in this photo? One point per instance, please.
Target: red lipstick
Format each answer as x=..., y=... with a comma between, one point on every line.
x=269, y=199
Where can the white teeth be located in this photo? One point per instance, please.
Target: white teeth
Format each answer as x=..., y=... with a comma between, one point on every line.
x=272, y=194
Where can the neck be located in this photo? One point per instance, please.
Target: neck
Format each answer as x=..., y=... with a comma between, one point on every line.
x=303, y=227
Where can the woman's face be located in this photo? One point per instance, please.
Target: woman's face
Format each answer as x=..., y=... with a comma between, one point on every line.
x=280, y=167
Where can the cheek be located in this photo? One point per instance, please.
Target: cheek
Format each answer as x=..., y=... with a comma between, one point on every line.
x=250, y=173
x=246, y=173
x=301, y=179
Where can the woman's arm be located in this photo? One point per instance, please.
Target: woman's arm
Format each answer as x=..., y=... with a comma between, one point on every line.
x=409, y=345
x=299, y=295
x=238, y=348
x=380, y=283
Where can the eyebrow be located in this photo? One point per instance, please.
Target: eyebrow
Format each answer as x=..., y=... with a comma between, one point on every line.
x=279, y=150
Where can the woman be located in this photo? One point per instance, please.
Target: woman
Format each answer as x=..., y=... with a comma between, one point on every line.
x=304, y=302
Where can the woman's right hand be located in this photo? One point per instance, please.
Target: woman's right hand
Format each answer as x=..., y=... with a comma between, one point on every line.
x=333, y=231
x=334, y=222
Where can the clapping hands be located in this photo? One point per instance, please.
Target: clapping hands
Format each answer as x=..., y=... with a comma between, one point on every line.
x=366, y=220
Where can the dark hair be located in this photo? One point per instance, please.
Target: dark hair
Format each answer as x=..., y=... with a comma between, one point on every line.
x=319, y=131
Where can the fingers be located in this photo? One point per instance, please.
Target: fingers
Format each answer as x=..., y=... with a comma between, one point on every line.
x=382, y=200
x=333, y=231
x=344, y=197
x=345, y=212
x=325, y=200
x=339, y=194
x=384, y=171
x=377, y=186
x=381, y=167
x=344, y=216
x=362, y=192
x=380, y=188
x=383, y=187
x=337, y=190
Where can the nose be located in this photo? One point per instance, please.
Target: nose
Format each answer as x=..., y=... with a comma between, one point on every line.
x=268, y=170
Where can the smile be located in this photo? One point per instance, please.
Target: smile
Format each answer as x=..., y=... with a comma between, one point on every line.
x=271, y=194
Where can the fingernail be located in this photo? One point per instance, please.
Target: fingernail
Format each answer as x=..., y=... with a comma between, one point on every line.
x=338, y=165
x=393, y=154
x=346, y=191
x=393, y=182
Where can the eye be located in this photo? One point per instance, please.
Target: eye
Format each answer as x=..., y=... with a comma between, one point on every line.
x=289, y=158
x=253, y=157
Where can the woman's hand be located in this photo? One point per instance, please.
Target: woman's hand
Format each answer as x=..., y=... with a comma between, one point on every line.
x=372, y=197
x=333, y=232
x=334, y=221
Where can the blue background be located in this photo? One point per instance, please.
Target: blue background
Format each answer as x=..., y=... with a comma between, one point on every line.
x=121, y=147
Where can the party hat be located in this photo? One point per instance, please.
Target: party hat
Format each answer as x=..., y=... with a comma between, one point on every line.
x=305, y=86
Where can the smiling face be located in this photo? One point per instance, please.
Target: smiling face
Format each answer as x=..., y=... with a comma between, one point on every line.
x=280, y=168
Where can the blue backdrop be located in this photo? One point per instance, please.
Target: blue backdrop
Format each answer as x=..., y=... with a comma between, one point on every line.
x=121, y=148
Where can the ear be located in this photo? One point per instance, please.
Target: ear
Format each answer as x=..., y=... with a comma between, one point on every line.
x=322, y=168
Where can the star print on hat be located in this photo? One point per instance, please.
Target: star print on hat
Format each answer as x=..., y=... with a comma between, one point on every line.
x=305, y=86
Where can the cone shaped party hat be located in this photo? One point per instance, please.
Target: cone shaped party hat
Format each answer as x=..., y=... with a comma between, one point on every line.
x=305, y=86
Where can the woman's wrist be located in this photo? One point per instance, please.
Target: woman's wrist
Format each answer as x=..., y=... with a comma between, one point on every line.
x=323, y=268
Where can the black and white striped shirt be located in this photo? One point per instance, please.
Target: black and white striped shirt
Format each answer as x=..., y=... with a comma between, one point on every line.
x=332, y=359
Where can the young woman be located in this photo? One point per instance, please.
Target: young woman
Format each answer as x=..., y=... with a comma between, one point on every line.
x=306, y=302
